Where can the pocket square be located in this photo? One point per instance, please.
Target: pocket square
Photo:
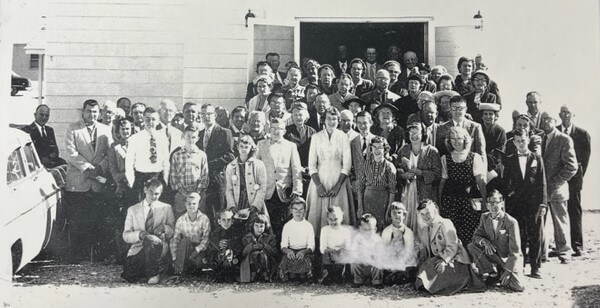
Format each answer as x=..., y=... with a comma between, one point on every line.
x=534, y=163
x=502, y=231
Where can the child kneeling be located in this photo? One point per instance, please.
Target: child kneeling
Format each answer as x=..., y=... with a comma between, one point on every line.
x=225, y=248
x=297, y=243
x=259, y=252
x=364, y=241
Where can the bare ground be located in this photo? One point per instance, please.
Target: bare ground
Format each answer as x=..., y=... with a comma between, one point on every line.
x=49, y=284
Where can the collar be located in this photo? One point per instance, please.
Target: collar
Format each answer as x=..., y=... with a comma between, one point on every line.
x=271, y=141
x=551, y=134
x=570, y=127
x=462, y=152
x=500, y=216
x=37, y=125
x=401, y=228
x=526, y=154
x=454, y=123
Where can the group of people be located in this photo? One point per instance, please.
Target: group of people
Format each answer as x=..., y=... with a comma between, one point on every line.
x=397, y=173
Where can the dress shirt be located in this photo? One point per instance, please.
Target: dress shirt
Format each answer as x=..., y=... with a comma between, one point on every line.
x=567, y=130
x=343, y=66
x=207, y=132
x=138, y=155
x=298, y=235
x=334, y=238
x=523, y=163
x=457, y=124
x=197, y=231
x=41, y=129
x=549, y=138
x=371, y=70
x=189, y=170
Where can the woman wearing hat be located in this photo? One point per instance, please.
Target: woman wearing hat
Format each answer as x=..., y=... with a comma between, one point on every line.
x=264, y=85
x=355, y=105
x=329, y=164
x=387, y=127
x=480, y=81
x=442, y=99
x=420, y=171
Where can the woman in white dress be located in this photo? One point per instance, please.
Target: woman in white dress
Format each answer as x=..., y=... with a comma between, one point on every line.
x=329, y=163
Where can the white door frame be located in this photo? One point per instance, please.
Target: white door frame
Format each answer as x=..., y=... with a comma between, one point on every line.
x=266, y=22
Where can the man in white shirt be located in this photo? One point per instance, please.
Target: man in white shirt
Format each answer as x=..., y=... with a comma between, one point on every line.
x=166, y=113
x=148, y=154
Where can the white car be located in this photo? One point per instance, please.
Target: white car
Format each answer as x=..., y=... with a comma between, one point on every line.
x=31, y=196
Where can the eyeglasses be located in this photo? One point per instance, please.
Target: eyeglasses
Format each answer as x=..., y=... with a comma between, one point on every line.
x=458, y=108
x=206, y=113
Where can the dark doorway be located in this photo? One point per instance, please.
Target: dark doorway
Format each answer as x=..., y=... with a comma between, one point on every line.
x=319, y=40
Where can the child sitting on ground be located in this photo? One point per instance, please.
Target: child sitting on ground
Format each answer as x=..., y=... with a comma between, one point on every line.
x=297, y=243
x=362, y=246
x=259, y=251
x=334, y=241
x=401, y=240
x=225, y=248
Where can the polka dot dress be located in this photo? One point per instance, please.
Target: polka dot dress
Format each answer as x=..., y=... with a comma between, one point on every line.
x=456, y=198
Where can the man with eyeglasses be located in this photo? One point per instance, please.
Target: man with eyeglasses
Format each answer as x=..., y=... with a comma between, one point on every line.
x=284, y=173
x=217, y=143
x=458, y=110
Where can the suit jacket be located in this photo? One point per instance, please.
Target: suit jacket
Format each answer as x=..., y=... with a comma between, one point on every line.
x=358, y=158
x=441, y=240
x=506, y=239
x=495, y=143
x=338, y=69
x=283, y=168
x=390, y=97
x=363, y=86
x=301, y=141
x=135, y=222
x=219, y=149
x=561, y=165
x=255, y=176
x=478, y=145
x=313, y=121
x=524, y=194
x=81, y=155
x=116, y=160
x=46, y=148
x=250, y=92
x=371, y=75
x=582, y=144
x=416, y=118
x=473, y=107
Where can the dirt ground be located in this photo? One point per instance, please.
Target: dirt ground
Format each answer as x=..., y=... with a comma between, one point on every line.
x=49, y=284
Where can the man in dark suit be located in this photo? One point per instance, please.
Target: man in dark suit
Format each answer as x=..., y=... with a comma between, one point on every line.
x=316, y=113
x=581, y=141
x=410, y=60
x=371, y=65
x=524, y=185
x=458, y=107
x=426, y=116
x=561, y=165
x=274, y=61
x=217, y=143
x=43, y=138
x=495, y=138
x=342, y=65
x=497, y=241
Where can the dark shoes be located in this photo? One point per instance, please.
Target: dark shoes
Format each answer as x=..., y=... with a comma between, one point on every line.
x=535, y=273
x=577, y=253
x=564, y=261
x=356, y=285
x=378, y=286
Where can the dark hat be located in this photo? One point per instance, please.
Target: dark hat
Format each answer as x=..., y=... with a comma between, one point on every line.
x=298, y=105
x=415, y=77
x=354, y=99
x=386, y=105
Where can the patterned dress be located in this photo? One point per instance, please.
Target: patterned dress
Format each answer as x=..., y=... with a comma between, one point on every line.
x=456, y=197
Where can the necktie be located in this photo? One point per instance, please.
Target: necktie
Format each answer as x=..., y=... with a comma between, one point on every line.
x=152, y=149
x=149, y=225
x=544, y=142
x=364, y=147
x=344, y=67
x=206, y=138
x=44, y=132
x=92, y=132
x=523, y=155
x=168, y=136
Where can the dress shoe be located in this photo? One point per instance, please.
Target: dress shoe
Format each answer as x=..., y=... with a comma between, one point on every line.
x=553, y=254
x=154, y=280
x=577, y=253
x=564, y=261
x=378, y=286
x=356, y=285
x=535, y=273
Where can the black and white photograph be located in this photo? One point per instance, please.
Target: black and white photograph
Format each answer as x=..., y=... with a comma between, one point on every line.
x=262, y=153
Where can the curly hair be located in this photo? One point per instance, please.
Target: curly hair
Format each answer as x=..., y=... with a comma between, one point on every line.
x=460, y=133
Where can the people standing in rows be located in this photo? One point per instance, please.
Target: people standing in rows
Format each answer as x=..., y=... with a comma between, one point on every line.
x=561, y=165
x=43, y=138
x=217, y=143
x=581, y=143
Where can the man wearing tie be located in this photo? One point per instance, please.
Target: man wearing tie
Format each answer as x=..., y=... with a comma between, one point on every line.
x=342, y=61
x=524, y=185
x=43, y=138
x=426, y=116
x=533, y=102
x=274, y=61
x=86, y=144
x=372, y=67
x=561, y=165
x=166, y=113
x=316, y=119
x=217, y=143
x=381, y=92
x=360, y=145
x=581, y=142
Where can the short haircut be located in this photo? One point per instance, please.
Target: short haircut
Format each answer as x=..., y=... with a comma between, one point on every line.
x=138, y=105
x=153, y=182
x=205, y=106
x=311, y=86
x=521, y=133
x=368, y=218
x=335, y=209
x=447, y=78
x=262, y=63
x=223, y=211
x=457, y=99
x=298, y=200
x=461, y=60
x=348, y=113
x=379, y=139
x=365, y=114
x=494, y=192
x=188, y=105
x=270, y=54
x=167, y=103
x=358, y=60
x=533, y=93
x=399, y=206
x=275, y=95
x=412, y=125
x=240, y=109
x=426, y=202
x=122, y=99
x=261, y=219
x=294, y=69
x=123, y=121
x=193, y=195
x=90, y=103
x=247, y=140
x=41, y=106
x=149, y=110
x=345, y=76
x=326, y=67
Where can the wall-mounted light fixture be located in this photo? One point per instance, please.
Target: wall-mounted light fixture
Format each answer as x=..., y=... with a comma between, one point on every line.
x=249, y=15
x=478, y=18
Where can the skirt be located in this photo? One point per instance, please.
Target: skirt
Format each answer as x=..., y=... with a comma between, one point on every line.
x=455, y=278
x=375, y=202
x=289, y=266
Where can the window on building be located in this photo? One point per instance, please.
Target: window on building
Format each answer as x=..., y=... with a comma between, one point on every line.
x=34, y=61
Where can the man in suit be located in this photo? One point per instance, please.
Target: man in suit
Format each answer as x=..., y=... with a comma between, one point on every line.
x=581, y=142
x=497, y=242
x=86, y=144
x=381, y=92
x=495, y=136
x=217, y=143
x=191, y=115
x=274, y=61
x=410, y=60
x=166, y=113
x=284, y=173
x=411, y=103
x=148, y=228
x=524, y=184
x=316, y=120
x=301, y=135
x=426, y=116
x=535, y=145
x=533, y=102
x=458, y=107
x=371, y=65
x=360, y=146
x=43, y=138
x=561, y=165
x=342, y=65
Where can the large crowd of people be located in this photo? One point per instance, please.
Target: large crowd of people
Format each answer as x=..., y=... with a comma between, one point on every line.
x=388, y=174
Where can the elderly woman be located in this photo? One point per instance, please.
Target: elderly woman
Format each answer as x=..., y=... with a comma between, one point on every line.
x=329, y=163
x=246, y=179
x=437, y=72
x=445, y=83
x=326, y=79
x=301, y=134
x=463, y=179
x=442, y=99
x=387, y=127
x=444, y=265
x=361, y=85
x=480, y=81
x=264, y=85
x=311, y=70
x=376, y=188
x=293, y=90
x=462, y=82
x=420, y=171
x=396, y=86
x=344, y=85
